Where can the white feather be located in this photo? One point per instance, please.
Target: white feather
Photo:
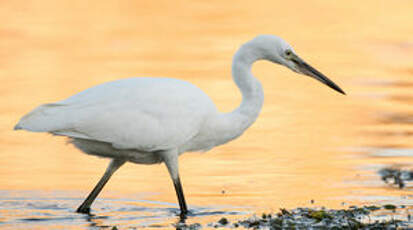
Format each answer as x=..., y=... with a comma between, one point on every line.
x=146, y=114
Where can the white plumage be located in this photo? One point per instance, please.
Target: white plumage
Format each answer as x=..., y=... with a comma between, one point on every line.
x=128, y=113
x=152, y=120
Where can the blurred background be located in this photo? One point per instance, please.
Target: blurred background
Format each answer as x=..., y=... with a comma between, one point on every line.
x=309, y=142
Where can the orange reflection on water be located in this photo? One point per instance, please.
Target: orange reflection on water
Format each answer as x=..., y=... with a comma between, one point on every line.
x=295, y=152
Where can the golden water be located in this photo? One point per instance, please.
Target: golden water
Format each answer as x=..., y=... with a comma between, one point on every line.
x=309, y=142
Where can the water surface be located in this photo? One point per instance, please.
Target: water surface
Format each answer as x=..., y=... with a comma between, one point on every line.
x=309, y=142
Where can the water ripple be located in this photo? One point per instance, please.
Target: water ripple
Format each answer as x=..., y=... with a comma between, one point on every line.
x=34, y=210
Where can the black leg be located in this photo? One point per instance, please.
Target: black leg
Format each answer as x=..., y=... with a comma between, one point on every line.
x=170, y=157
x=113, y=166
x=181, y=197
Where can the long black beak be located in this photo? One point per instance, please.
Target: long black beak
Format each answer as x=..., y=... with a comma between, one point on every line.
x=308, y=70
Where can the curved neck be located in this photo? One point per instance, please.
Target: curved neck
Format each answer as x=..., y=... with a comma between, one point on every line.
x=250, y=87
x=237, y=121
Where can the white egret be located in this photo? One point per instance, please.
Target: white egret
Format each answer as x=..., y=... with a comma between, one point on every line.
x=153, y=120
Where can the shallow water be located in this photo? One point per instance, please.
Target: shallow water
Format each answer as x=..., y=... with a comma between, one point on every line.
x=309, y=142
x=55, y=210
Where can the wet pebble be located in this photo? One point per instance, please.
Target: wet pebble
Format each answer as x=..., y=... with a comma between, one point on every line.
x=223, y=221
x=314, y=218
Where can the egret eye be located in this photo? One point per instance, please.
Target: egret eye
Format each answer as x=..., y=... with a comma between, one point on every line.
x=288, y=53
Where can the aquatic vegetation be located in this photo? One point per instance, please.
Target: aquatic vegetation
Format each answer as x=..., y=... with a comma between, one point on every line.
x=398, y=176
x=309, y=218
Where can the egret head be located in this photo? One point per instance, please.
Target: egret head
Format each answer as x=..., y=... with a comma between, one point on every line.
x=277, y=50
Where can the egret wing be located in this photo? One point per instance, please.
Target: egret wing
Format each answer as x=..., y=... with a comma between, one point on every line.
x=148, y=114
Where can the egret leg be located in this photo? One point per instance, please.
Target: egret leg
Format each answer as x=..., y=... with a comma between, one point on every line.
x=181, y=197
x=171, y=161
x=113, y=166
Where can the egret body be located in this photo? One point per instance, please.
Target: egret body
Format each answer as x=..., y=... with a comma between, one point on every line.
x=154, y=120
